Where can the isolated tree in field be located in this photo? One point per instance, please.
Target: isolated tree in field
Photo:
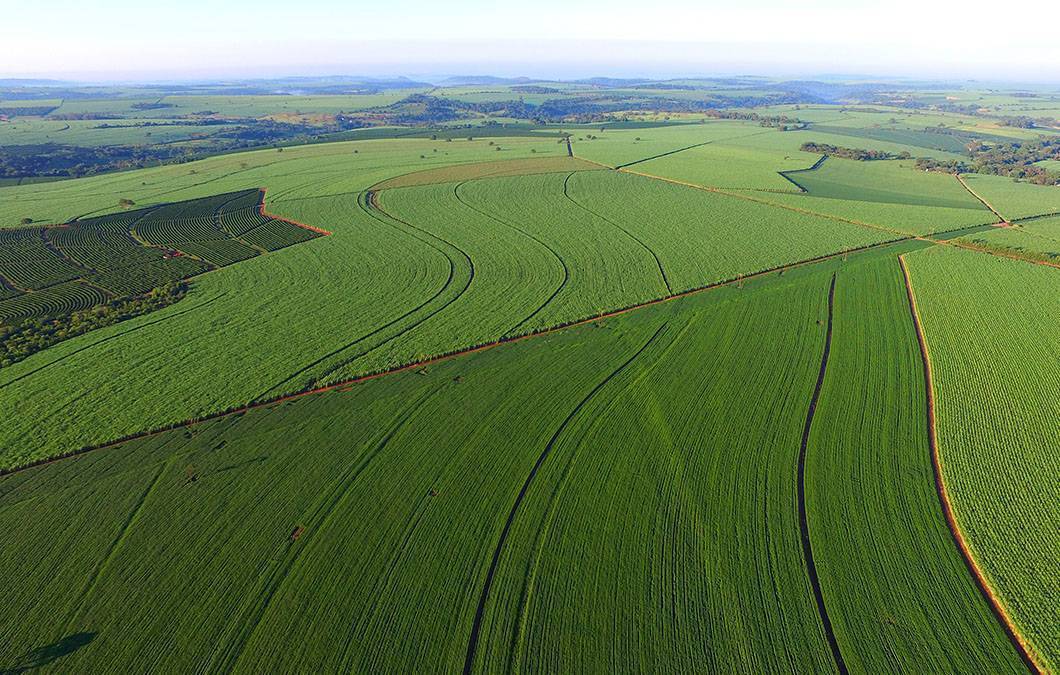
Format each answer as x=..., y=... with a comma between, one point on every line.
x=125, y=202
x=25, y=221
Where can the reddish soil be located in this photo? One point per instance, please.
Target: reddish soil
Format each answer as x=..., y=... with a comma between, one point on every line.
x=265, y=213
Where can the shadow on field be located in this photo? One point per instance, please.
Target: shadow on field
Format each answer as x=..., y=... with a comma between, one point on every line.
x=43, y=656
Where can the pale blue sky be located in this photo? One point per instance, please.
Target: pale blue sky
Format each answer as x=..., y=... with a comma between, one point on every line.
x=121, y=39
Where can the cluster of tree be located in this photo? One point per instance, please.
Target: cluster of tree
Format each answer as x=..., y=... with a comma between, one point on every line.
x=427, y=109
x=1024, y=122
x=67, y=117
x=943, y=165
x=852, y=153
x=52, y=159
x=782, y=122
x=157, y=105
x=1017, y=159
x=20, y=340
x=535, y=89
x=212, y=122
x=15, y=111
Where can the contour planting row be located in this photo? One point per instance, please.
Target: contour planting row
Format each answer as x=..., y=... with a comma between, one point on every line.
x=132, y=252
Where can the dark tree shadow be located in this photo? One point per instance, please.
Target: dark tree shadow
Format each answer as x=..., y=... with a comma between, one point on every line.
x=42, y=656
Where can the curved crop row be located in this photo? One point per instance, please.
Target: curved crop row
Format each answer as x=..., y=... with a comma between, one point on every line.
x=58, y=299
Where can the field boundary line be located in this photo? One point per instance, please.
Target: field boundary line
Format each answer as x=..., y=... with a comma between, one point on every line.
x=804, y=520
x=1022, y=647
x=497, y=219
x=267, y=214
x=619, y=167
x=444, y=356
x=766, y=202
x=1003, y=221
x=1040, y=216
x=480, y=611
x=968, y=246
x=784, y=174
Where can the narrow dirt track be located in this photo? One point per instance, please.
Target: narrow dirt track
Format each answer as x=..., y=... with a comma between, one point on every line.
x=804, y=520
x=1003, y=618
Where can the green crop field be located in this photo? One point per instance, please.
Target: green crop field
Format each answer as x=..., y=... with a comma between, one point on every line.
x=1013, y=199
x=727, y=165
x=889, y=182
x=588, y=376
x=622, y=380
x=995, y=382
x=131, y=253
x=1038, y=238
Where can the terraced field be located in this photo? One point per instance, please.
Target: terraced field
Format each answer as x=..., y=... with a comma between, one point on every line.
x=533, y=414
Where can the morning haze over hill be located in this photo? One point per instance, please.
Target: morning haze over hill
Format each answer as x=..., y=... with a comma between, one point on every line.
x=491, y=338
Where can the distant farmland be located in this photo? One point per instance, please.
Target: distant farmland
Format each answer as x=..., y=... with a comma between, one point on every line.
x=675, y=394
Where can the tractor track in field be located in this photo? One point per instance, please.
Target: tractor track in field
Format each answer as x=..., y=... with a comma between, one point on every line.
x=727, y=139
x=412, y=365
x=804, y=522
x=369, y=207
x=115, y=545
x=662, y=154
x=1002, y=616
x=658, y=263
x=321, y=513
x=555, y=254
x=476, y=627
x=371, y=203
x=1040, y=216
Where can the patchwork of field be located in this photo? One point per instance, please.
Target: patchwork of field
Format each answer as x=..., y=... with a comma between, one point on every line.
x=692, y=422
x=567, y=431
x=440, y=276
